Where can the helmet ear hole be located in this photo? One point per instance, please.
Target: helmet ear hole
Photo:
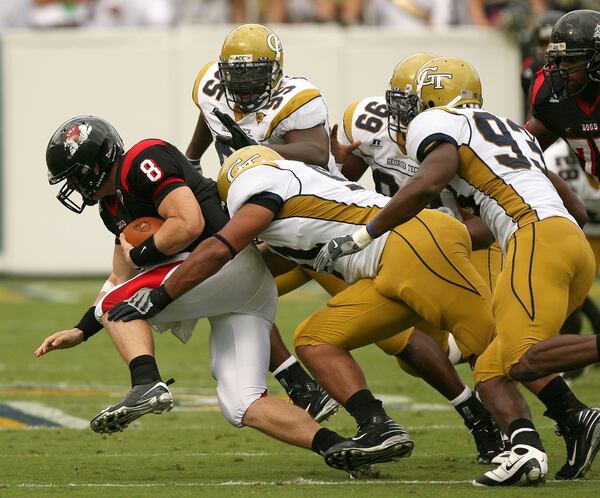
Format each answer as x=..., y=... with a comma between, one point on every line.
x=430, y=103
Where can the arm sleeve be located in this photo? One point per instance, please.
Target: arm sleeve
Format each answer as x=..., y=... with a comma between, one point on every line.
x=431, y=128
x=262, y=182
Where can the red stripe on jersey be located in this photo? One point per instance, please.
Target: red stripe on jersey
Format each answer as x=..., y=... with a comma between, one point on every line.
x=527, y=62
x=111, y=208
x=586, y=107
x=162, y=185
x=131, y=154
x=151, y=279
x=539, y=81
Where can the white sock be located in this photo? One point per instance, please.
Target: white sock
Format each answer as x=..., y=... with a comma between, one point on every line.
x=462, y=397
x=290, y=361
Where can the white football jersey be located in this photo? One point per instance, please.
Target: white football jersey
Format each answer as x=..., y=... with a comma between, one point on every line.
x=501, y=167
x=562, y=160
x=366, y=120
x=296, y=104
x=316, y=208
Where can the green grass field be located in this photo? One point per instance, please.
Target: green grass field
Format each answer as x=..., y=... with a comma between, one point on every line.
x=193, y=451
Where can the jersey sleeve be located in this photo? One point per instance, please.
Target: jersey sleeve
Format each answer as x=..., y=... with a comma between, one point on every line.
x=346, y=134
x=265, y=180
x=304, y=110
x=201, y=81
x=153, y=174
x=431, y=128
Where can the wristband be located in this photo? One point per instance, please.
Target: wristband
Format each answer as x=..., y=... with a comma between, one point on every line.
x=161, y=297
x=196, y=164
x=147, y=253
x=88, y=324
x=107, y=287
x=232, y=250
x=371, y=230
x=362, y=238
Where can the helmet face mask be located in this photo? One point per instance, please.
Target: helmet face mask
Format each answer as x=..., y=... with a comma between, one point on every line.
x=247, y=85
x=81, y=153
x=573, y=54
x=402, y=102
x=250, y=67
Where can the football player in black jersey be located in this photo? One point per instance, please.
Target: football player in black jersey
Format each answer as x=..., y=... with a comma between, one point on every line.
x=154, y=179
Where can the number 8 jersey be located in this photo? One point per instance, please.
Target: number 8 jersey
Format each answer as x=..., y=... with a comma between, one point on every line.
x=500, y=166
x=295, y=104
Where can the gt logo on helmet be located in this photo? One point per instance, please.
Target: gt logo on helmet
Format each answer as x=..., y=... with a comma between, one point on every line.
x=427, y=77
x=75, y=136
x=240, y=165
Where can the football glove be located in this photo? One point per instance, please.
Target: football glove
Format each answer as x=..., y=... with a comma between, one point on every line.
x=144, y=304
x=339, y=247
x=238, y=138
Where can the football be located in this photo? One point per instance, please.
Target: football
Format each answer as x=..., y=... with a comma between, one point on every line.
x=140, y=229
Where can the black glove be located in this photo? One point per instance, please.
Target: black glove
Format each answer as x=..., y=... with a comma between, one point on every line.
x=144, y=304
x=238, y=138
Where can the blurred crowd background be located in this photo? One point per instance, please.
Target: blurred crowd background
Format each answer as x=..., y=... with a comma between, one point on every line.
x=515, y=16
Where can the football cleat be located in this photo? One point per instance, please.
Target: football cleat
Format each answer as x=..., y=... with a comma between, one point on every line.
x=525, y=466
x=314, y=400
x=379, y=439
x=488, y=441
x=582, y=437
x=154, y=397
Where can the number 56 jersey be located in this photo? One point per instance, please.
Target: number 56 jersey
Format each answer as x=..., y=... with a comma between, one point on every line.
x=295, y=104
x=500, y=166
x=366, y=120
x=310, y=208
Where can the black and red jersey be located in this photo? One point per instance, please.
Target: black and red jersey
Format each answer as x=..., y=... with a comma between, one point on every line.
x=574, y=119
x=149, y=171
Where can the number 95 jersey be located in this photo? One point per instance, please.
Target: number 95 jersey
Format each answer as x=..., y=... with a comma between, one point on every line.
x=295, y=104
x=366, y=120
x=500, y=166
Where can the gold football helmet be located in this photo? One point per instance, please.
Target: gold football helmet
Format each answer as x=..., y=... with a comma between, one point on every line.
x=250, y=66
x=448, y=82
x=240, y=161
x=402, y=88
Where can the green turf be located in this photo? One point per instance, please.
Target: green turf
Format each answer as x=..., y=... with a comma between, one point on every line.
x=195, y=452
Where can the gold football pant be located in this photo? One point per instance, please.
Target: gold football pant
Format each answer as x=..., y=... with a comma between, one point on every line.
x=425, y=273
x=548, y=271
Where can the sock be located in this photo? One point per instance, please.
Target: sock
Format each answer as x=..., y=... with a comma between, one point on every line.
x=469, y=407
x=325, y=439
x=362, y=405
x=522, y=431
x=560, y=401
x=291, y=373
x=143, y=370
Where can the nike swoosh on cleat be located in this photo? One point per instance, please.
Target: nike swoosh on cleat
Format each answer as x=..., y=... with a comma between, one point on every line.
x=572, y=460
x=509, y=466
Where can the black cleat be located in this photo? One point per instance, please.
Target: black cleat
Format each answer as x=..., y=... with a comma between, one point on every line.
x=154, y=397
x=488, y=441
x=314, y=400
x=582, y=437
x=379, y=439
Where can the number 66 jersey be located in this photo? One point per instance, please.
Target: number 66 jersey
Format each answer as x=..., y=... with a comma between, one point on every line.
x=500, y=166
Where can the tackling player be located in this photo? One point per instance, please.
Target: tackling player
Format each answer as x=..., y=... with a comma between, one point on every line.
x=548, y=269
x=154, y=179
x=244, y=98
x=294, y=208
x=372, y=140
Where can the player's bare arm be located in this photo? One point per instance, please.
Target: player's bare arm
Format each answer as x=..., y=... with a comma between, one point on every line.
x=310, y=146
x=213, y=253
x=201, y=139
x=435, y=172
x=569, y=198
x=277, y=265
x=544, y=136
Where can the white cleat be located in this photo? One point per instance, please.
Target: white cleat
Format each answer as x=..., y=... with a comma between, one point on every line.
x=525, y=466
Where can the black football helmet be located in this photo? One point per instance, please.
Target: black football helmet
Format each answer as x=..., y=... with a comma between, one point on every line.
x=540, y=34
x=575, y=35
x=81, y=152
